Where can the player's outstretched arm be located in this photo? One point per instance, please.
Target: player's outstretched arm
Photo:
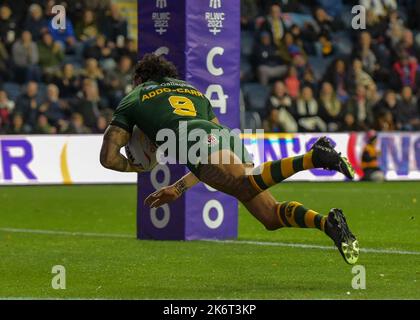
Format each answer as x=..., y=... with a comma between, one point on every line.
x=172, y=192
x=111, y=158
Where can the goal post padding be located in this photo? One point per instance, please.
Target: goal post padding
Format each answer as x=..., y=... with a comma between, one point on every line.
x=202, y=38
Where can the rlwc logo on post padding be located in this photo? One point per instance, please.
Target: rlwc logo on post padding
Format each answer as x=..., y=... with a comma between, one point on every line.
x=215, y=4
x=161, y=4
x=215, y=19
x=161, y=19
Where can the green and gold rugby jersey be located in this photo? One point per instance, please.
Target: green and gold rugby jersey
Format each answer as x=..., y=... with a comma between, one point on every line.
x=153, y=106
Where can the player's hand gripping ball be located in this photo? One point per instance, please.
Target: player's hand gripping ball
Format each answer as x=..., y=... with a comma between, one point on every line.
x=141, y=151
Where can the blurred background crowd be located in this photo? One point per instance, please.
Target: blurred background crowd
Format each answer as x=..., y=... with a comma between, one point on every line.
x=63, y=81
x=303, y=67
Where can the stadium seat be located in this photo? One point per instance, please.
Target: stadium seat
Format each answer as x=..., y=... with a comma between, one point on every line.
x=255, y=96
x=319, y=65
x=342, y=43
x=246, y=70
x=247, y=43
x=42, y=89
x=13, y=90
x=298, y=19
x=252, y=121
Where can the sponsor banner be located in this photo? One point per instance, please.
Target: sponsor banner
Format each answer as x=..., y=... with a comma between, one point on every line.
x=55, y=159
x=74, y=159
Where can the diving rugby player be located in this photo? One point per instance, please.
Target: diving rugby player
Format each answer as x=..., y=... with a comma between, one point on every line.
x=161, y=101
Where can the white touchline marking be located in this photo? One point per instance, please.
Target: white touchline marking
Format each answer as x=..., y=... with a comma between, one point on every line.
x=67, y=233
x=312, y=246
x=248, y=242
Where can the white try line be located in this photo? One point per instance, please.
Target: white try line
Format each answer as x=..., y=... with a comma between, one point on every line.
x=247, y=242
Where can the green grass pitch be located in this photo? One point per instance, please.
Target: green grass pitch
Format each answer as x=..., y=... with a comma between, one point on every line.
x=383, y=216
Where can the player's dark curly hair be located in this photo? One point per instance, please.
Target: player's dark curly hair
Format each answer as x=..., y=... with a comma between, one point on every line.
x=153, y=67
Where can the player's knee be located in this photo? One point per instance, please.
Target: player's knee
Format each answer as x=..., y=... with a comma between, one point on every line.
x=245, y=191
x=272, y=225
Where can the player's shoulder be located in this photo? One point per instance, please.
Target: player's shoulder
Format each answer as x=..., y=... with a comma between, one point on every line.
x=173, y=82
x=131, y=99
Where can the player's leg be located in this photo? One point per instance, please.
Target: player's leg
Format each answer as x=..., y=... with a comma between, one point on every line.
x=231, y=178
x=321, y=155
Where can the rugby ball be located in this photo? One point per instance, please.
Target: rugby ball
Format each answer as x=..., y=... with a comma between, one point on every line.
x=141, y=151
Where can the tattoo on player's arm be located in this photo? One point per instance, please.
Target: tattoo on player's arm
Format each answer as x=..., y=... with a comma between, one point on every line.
x=181, y=186
x=111, y=158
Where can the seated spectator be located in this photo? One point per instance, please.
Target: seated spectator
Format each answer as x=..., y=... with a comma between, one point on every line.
x=35, y=22
x=118, y=82
x=308, y=79
x=384, y=121
x=51, y=56
x=101, y=125
x=291, y=51
x=92, y=71
x=274, y=25
x=102, y=53
x=42, y=126
x=6, y=109
x=77, y=125
x=326, y=46
x=25, y=56
x=269, y=65
x=278, y=108
x=52, y=107
x=130, y=50
x=408, y=117
x=375, y=25
x=338, y=76
x=87, y=28
x=388, y=104
x=332, y=111
x=8, y=26
x=358, y=77
x=360, y=107
x=28, y=103
x=306, y=112
x=18, y=125
x=407, y=44
x=292, y=82
x=324, y=22
x=5, y=73
x=372, y=95
x=65, y=37
x=406, y=71
x=249, y=12
x=68, y=82
x=396, y=29
x=350, y=124
x=326, y=25
x=114, y=26
x=380, y=8
x=365, y=52
x=89, y=104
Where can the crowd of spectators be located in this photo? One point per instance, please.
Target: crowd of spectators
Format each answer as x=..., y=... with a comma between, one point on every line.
x=62, y=81
x=305, y=68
